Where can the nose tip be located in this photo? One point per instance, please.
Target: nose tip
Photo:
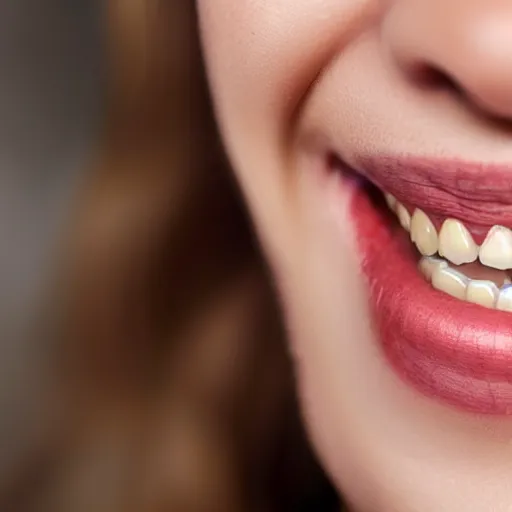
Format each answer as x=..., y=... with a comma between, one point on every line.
x=468, y=41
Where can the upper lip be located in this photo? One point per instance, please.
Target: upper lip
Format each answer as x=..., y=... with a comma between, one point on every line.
x=478, y=194
x=451, y=349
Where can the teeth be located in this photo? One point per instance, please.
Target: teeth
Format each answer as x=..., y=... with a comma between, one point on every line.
x=484, y=293
x=423, y=233
x=390, y=200
x=403, y=216
x=450, y=281
x=456, y=243
x=496, y=251
x=428, y=265
x=456, y=284
x=504, y=302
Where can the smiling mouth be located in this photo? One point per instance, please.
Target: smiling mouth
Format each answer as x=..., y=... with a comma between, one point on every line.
x=436, y=249
x=452, y=261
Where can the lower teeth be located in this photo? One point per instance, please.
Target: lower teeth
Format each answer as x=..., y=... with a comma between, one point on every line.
x=489, y=286
x=445, y=278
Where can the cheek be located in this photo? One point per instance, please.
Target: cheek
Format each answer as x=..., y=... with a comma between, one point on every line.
x=262, y=57
x=262, y=60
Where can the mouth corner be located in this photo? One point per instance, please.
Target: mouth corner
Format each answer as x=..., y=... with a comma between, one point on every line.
x=447, y=347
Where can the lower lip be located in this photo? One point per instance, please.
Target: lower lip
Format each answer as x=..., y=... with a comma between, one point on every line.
x=448, y=349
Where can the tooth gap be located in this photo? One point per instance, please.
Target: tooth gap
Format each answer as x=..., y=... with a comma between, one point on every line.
x=442, y=253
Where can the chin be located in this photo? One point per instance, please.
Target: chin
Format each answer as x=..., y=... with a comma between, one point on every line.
x=400, y=346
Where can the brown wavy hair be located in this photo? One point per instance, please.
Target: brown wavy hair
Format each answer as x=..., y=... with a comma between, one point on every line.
x=175, y=390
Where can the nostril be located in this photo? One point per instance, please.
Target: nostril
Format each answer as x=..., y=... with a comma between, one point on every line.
x=432, y=77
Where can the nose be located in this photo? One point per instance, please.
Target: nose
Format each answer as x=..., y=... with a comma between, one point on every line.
x=469, y=42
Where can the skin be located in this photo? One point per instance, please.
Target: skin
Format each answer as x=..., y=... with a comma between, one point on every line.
x=294, y=79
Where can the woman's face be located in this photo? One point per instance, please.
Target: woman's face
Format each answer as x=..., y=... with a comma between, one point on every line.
x=404, y=370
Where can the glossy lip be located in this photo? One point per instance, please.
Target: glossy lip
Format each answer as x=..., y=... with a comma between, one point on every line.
x=452, y=350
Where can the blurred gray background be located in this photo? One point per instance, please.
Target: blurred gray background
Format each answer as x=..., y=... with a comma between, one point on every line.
x=51, y=105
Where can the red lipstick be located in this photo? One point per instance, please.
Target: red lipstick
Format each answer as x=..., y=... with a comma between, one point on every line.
x=458, y=352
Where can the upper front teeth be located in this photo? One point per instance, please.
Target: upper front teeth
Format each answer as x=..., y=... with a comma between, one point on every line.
x=496, y=251
x=424, y=234
x=403, y=216
x=454, y=242
x=390, y=200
